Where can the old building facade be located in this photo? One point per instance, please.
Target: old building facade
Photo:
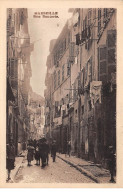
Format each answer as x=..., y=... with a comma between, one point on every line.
x=18, y=77
x=80, y=99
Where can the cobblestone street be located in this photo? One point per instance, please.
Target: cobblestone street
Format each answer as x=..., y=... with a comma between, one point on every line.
x=57, y=172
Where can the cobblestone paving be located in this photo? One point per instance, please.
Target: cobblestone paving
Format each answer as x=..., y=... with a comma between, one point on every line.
x=102, y=174
x=57, y=172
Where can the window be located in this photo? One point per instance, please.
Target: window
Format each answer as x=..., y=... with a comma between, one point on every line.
x=89, y=16
x=82, y=109
x=94, y=14
x=55, y=59
x=65, y=43
x=85, y=35
x=111, y=56
x=58, y=77
x=63, y=73
x=111, y=47
x=99, y=21
x=111, y=38
x=75, y=90
x=61, y=50
x=86, y=74
x=68, y=38
x=79, y=84
x=68, y=68
x=102, y=67
x=83, y=77
x=76, y=111
x=71, y=52
x=55, y=75
x=90, y=69
x=89, y=105
x=105, y=13
x=86, y=22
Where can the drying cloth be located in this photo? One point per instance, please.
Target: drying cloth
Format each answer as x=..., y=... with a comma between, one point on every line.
x=95, y=92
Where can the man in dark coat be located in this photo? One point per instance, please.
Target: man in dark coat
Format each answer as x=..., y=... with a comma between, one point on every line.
x=43, y=152
x=112, y=163
x=53, y=150
x=34, y=143
x=47, y=152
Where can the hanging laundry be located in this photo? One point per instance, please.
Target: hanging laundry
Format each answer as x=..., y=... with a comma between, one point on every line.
x=63, y=107
x=59, y=107
x=66, y=109
x=66, y=100
x=47, y=109
x=59, y=120
x=75, y=18
x=86, y=146
x=95, y=92
x=70, y=21
x=75, y=60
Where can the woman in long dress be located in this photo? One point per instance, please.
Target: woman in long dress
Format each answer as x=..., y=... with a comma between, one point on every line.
x=30, y=153
x=10, y=160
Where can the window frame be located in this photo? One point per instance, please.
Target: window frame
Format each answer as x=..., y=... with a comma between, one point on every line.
x=63, y=68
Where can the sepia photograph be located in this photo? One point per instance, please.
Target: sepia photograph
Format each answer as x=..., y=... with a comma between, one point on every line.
x=61, y=67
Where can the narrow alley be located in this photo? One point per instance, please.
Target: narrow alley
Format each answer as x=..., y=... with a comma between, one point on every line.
x=61, y=95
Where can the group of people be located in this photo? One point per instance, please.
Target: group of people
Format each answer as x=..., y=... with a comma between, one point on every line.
x=40, y=150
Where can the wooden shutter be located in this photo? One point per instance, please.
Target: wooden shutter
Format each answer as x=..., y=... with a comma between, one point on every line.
x=102, y=59
x=111, y=52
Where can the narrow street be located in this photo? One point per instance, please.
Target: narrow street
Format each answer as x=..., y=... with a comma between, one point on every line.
x=61, y=94
x=57, y=172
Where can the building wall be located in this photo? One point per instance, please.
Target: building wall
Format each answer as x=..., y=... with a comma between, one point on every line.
x=17, y=58
x=91, y=59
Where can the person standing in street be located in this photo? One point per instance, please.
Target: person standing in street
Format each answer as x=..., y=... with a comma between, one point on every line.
x=112, y=160
x=47, y=152
x=10, y=160
x=69, y=148
x=53, y=150
x=43, y=152
x=37, y=155
x=30, y=153
x=34, y=143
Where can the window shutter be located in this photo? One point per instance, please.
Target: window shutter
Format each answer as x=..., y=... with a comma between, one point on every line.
x=111, y=46
x=102, y=58
x=72, y=51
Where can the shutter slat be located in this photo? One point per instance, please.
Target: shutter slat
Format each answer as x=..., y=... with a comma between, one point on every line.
x=102, y=57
